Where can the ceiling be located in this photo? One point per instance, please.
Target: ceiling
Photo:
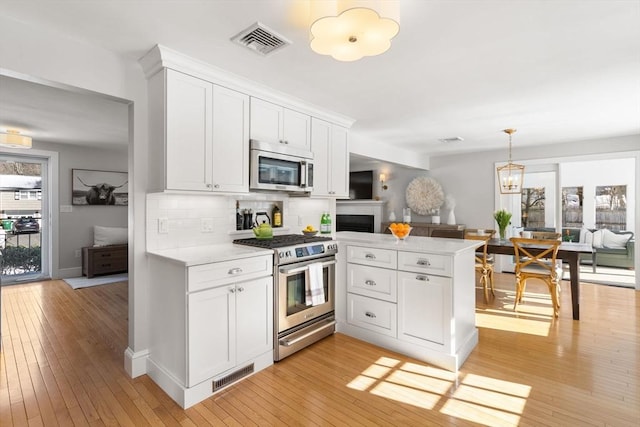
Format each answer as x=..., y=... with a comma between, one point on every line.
x=558, y=71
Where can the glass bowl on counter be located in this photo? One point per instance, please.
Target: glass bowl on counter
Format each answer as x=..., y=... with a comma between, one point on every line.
x=400, y=230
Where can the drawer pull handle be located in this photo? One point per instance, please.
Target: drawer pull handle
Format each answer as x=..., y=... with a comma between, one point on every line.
x=424, y=262
x=370, y=314
x=236, y=270
x=369, y=282
x=423, y=278
x=370, y=256
x=240, y=289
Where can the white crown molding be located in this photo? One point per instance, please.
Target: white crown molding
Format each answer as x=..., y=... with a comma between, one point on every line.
x=160, y=57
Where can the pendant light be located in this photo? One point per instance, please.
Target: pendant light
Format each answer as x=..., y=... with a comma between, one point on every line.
x=511, y=175
x=13, y=139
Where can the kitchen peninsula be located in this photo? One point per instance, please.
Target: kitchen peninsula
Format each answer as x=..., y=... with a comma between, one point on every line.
x=416, y=296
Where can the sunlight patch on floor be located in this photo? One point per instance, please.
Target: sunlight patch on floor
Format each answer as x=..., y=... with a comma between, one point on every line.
x=475, y=398
x=526, y=320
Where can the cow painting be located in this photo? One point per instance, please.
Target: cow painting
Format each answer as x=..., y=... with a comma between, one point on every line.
x=99, y=188
x=100, y=194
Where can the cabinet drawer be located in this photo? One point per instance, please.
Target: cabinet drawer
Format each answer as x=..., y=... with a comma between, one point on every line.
x=220, y=273
x=385, y=258
x=107, y=265
x=373, y=282
x=372, y=314
x=441, y=265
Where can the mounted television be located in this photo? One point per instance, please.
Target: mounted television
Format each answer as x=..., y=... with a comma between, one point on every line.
x=361, y=185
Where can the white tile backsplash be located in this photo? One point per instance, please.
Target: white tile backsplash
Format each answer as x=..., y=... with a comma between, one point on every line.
x=185, y=214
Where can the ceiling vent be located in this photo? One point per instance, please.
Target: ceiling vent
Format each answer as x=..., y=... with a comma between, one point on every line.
x=260, y=39
x=452, y=139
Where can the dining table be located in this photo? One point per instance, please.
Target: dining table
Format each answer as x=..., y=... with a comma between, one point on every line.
x=568, y=252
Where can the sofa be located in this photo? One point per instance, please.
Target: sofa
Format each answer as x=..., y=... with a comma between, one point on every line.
x=612, y=248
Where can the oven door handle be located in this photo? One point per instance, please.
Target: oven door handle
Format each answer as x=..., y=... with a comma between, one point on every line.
x=294, y=270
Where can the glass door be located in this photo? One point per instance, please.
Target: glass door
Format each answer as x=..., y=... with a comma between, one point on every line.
x=23, y=215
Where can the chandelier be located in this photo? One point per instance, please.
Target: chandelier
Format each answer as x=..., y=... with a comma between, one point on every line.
x=511, y=175
x=350, y=29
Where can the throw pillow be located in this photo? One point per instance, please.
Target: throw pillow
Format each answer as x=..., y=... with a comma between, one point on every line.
x=614, y=241
x=105, y=236
x=597, y=238
x=586, y=236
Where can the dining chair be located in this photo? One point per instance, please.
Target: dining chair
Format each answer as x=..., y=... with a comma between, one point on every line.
x=448, y=233
x=484, y=262
x=540, y=266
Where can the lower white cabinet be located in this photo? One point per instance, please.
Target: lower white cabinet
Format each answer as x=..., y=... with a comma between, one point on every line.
x=208, y=323
x=415, y=302
x=227, y=326
x=424, y=306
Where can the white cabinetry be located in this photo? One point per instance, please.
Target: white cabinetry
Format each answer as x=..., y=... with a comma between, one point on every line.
x=205, y=130
x=210, y=322
x=412, y=301
x=331, y=159
x=279, y=125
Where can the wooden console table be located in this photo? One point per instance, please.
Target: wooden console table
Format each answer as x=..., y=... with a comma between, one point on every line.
x=425, y=228
x=104, y=260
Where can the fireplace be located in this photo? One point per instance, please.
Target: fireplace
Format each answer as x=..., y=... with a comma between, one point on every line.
x=359, y=215
x=361, y=223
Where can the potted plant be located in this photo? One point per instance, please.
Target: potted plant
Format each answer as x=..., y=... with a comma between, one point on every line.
x=503, y=218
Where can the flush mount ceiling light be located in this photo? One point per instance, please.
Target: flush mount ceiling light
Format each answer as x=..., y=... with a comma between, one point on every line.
x=13, y=139
x=350, y=29
x=511, y=175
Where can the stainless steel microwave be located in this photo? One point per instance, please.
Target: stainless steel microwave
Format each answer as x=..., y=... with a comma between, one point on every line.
x=280, y=167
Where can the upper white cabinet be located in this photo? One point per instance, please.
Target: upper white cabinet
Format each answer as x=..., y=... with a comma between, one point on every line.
x=205, y=129
x=331, y=159
x=279, y=125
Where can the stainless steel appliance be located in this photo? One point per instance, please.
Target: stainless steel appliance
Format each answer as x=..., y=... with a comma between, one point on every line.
x=297, y=258
x=280, y=167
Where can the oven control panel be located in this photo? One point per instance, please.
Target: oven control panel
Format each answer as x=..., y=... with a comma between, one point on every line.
x=306, y=251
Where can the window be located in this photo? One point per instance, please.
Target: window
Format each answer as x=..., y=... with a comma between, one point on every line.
x=27, y=195
x=572, y=203
x=611, y=207
x=532, y=207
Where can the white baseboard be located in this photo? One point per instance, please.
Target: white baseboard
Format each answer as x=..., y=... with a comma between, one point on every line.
x=135, y=363
x=65, y=273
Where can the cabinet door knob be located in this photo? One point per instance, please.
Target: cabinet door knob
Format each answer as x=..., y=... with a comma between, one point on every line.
x=240, y=289
x=424, y=262
x=370, y=256
x=236, y=270
x=370, y=314
x=216, y=186
x=208, y=185
x=370, y=282
x=422, y=278
x=232, y=290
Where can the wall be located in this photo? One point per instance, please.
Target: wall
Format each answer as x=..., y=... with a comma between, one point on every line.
x=185, y=214
x=75, y=229
x=36, y=52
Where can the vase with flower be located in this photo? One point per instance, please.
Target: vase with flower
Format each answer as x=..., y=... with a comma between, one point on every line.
x=503, y=218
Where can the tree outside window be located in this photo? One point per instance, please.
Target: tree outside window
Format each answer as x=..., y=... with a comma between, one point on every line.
x=611, y=207
x=532, y=207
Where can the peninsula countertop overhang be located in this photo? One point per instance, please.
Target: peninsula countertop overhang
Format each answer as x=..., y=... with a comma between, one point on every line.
x=436, y=245
x=197, y=255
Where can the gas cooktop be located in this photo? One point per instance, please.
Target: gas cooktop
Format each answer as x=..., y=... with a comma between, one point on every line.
x=281, y=241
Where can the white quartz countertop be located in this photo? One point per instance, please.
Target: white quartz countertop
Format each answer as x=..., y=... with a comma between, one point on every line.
x=207, y=254
x=436, y=245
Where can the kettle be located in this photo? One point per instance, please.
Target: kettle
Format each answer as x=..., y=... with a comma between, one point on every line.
x=262, y=218
x=263, y=231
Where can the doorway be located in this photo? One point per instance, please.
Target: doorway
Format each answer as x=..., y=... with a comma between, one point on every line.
x=24, y=214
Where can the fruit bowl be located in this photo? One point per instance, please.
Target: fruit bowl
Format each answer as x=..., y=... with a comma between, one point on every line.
x=400, y=230
x=309, y=233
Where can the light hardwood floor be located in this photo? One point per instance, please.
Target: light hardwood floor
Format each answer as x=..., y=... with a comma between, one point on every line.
x=62, y=364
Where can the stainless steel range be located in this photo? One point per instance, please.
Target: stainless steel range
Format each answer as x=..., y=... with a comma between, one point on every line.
x=304, y=286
